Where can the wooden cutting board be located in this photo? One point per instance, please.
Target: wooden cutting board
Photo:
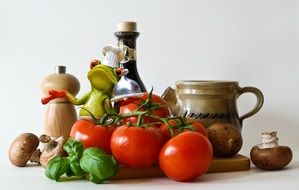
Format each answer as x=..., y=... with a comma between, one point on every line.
x=235, y=163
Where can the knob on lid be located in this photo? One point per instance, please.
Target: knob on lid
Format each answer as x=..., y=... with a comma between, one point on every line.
x=126, y=26
x=60, y=69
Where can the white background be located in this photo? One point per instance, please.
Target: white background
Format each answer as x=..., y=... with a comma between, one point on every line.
x=253, y=42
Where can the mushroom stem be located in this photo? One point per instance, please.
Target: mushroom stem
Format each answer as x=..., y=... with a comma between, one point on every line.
x=48, y=142
x=269, y=140
x=35, y=156
x=52, y=148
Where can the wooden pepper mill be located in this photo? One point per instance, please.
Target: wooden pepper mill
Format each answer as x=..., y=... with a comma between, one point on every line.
x=60, y=114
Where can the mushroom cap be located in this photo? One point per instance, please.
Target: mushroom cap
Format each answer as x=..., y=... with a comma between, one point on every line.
x=22, y=148
x=274, y=158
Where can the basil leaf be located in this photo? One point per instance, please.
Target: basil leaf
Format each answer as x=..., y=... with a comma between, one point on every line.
x=56, y=167
x=69, y=172
x=95, y=179
x=75, y=166
x=74, y=147
x=98, y=164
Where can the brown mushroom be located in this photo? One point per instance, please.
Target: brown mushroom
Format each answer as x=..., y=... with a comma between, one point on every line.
x=52, y=148
x=225, y=138
x=270, y=155
x=23, y=149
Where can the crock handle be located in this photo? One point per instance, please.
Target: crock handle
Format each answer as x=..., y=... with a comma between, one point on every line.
x=260, y=101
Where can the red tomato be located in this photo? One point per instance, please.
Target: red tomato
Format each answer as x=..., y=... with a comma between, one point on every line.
x=197, y=126
x=131, y=104
x=136, y=146
x=194, y=125
x=165, y=131
x=92, y=135
x=186, y=156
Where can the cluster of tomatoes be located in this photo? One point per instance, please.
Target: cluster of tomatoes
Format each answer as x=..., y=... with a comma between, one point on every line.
x=143, y=134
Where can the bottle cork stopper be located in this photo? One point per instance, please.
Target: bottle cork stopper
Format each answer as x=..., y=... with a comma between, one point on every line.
x=126, y=26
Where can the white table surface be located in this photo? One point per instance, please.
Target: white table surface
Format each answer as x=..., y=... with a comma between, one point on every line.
x=33, y=177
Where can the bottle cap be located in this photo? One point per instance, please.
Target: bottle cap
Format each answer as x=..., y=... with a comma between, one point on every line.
x=113, y=55
x=126, y=26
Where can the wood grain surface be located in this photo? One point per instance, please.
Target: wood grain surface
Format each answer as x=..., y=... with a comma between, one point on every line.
x=235, y=163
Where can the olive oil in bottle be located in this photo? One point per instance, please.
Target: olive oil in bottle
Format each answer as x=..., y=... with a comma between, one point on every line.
x=127, y=35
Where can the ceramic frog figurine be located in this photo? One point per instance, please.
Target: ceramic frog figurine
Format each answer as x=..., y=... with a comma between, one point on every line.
x=103, y=77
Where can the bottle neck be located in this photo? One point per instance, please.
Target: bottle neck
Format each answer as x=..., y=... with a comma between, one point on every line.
x=127, y=38
x=127, y=41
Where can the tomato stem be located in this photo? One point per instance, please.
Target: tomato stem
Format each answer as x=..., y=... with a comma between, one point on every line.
x=150, y=124
x=108, y=119
x=140, y=119
x=148, y=102
x=91, y=114
x=119, y=117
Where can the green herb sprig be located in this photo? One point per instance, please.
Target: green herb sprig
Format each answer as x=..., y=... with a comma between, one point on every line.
x=92, y=163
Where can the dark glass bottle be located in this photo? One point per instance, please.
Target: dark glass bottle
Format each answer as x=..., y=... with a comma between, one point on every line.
x=126, y=35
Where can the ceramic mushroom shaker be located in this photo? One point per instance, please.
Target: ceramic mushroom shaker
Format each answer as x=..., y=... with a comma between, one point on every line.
x=60, y=114
x=270, y=155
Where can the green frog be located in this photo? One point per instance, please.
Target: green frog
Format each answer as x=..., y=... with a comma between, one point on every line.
x=97, y=101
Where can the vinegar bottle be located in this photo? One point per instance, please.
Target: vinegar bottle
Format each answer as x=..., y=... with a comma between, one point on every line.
x=126, y=35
